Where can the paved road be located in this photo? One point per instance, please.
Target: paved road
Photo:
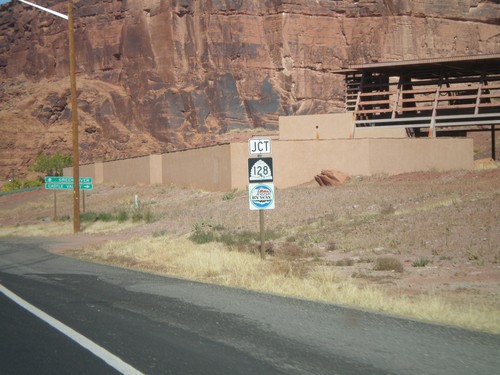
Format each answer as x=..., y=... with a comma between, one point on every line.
x=160, y=325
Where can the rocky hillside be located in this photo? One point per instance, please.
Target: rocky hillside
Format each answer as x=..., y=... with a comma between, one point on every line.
x=159, y=75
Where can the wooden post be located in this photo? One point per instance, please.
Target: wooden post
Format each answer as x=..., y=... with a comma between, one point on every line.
x=493, y=146
x=74, y=121
x=55, y=206
x=262, y=230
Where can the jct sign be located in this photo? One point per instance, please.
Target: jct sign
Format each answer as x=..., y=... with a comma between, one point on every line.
x=259, y=146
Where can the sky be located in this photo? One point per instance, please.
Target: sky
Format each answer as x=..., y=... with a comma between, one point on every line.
x=4, y=1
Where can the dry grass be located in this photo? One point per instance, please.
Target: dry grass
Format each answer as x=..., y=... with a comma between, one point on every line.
x=59, y=228
x=214, y=263
x=388, y=264
x=38, y=230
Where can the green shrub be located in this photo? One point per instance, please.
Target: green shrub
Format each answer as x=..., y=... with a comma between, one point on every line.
x=148, y=216
x=122, y=216
x=228, y=196
x=15, y=184
x=12, y=185
x=105, y=216
x=202, y=233
x=88, y=217
x=422, y=262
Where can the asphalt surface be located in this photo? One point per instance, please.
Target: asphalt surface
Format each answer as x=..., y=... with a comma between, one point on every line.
x=161, y=325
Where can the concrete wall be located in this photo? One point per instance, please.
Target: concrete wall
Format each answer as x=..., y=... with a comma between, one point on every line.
x=330, y=126
x=373, y=132
x=307, y=145
x=206, y=168
x=239, y=165
x=156, y=169
x=225, y=167
x=134, y=171
x=306, y=127
x=389, y=156
x=87, y=170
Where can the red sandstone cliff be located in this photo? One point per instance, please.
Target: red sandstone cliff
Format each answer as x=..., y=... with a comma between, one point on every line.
x=158, y=75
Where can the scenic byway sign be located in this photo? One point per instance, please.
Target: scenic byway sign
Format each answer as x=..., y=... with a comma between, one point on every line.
x=66, y=183
x=261, y=196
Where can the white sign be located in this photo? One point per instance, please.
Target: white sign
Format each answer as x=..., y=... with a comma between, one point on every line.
x=261, y=196
x=259, y=146
x=260, y=169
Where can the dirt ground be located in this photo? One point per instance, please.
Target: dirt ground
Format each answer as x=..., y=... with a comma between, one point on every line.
x=443, y=227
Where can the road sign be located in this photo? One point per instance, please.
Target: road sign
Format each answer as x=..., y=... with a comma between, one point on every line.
x=58, y=186
x=66, y=183
x=66, y=186
x=58, y=179
x=260, y=169
x=259, y=146
x=86, y=186
x=261, y=196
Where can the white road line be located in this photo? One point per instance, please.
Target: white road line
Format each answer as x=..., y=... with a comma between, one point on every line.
x=95, y=349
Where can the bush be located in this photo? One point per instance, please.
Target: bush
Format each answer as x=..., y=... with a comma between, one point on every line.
x=346, y=262
x=422, y=262
x=12, y=185
x=202, y=233
x=228, y=196
x=122, y=216
x=88, y=217
x=16, y=184
x=388, y=264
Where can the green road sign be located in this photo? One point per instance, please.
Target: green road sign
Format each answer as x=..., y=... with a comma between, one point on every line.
x=86, y=186
x=62, y=179
x=66, y=183
x=58, y=179
x=61, y=186
x=58, y=186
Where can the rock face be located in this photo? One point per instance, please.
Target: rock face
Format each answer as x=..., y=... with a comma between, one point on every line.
x=159, y=75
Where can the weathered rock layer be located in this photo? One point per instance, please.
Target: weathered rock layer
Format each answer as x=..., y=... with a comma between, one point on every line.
x=158, y=75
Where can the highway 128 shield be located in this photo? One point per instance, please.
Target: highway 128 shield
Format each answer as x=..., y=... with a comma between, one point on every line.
x=260, y=170
x=261, y=196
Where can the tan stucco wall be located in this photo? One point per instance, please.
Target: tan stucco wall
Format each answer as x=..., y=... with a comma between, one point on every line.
x=225, y=167
x=128, y=171
x=373, y=132
x=330, y=126
x=206, y=168
x=297, y=162
x=306, y=127
x=239, y=165
x=389, y=156
x=99, y=172
x=156, y=169
x=87, y=170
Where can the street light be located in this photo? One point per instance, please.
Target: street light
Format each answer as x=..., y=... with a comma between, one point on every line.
x=74, y=113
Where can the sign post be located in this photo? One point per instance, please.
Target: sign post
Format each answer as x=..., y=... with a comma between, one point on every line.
x=261, y=185
x=66, y=183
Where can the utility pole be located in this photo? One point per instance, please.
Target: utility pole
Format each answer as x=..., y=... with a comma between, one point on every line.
x=74, y=107
x=74, y=121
